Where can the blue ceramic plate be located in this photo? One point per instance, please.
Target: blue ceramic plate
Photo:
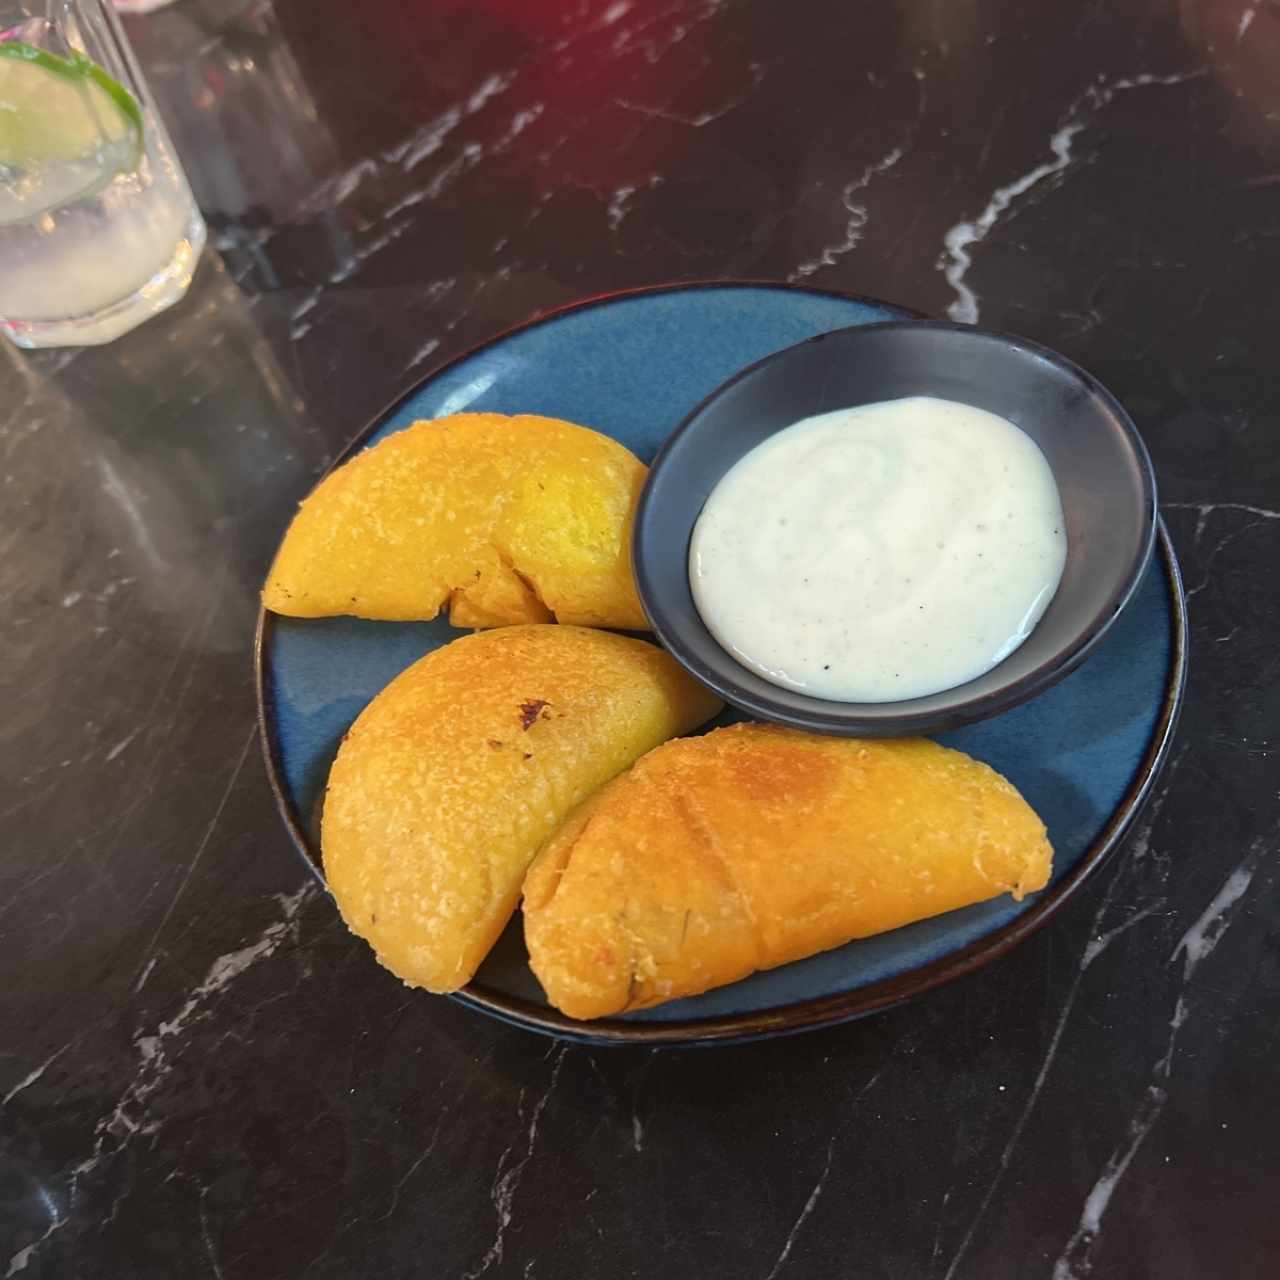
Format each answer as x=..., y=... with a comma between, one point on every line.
x=633, y=365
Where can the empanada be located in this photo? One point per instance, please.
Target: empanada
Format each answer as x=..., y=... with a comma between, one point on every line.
x=454, y=775
x=503, y=519
x=755, y=845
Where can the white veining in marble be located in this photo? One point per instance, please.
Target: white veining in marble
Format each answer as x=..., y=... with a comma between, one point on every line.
x=421, y=353
x=345, y=184
x=956, y=259
x=149, y=951
x=410, y=152
x=637, y=1125
x=425, y=140
x=20, y=1260
x=299, y=326
x=1204, y=510
x=429, y=346
x=210, y=1252
x=856, y=208
x=1208, y=509
x=653, y=48
x=141, y=979
x=856, y=220
x=32, y=1076
x=1194, y=947
x=1096, y=946
x=809, y=1204
x=419, y=1160
x=699, y=119
x=466, y=160
x=490, y=87
x=506, y=1180
x=1100, y=940
x=1197, y=944
x=121, y=745
x=1076, y=1260
x=128, y=1118
x=789, y=1243
x=619, y=203
x=616, y=209
x=428, y=138
x=351, y=264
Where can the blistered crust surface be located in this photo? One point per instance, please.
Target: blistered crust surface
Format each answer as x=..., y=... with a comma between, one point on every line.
x=455, y=774
x=753, y=846
x=502, y=520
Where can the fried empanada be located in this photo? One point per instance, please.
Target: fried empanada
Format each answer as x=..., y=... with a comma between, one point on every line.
x=503, y=519
x=455, y=774
x=753, y=846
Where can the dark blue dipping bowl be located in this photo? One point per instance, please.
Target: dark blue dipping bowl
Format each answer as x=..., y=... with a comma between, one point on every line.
x=1100, y=464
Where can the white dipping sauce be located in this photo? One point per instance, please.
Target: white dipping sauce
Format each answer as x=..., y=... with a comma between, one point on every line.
x=882, y=552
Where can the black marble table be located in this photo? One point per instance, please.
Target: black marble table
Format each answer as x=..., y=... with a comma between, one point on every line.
x=202, y=1074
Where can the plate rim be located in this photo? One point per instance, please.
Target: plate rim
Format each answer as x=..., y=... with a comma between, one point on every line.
x=817, y=1011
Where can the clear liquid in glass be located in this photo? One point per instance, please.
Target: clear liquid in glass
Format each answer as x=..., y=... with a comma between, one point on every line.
x=82, y=258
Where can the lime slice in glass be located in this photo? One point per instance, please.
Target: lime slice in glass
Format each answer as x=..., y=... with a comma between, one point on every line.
x=66, y=130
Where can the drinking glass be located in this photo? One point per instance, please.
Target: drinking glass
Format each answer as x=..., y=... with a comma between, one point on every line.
x=98, y=229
